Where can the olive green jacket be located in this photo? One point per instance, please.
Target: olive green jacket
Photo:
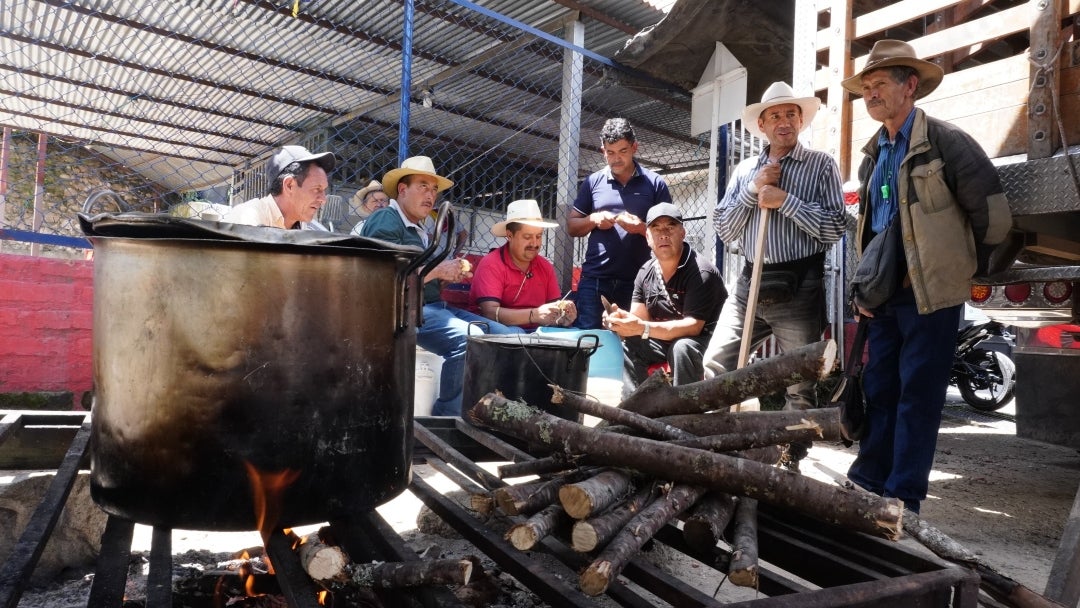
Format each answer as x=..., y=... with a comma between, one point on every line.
x=952, y=211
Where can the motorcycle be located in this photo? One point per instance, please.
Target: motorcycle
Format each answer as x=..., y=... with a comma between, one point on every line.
x=982, y=369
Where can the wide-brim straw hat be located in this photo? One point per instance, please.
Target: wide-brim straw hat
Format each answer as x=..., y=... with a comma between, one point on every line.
x=779, y=93
x=888, y=53
x=361, y=194
x=526, y=212
x=414, y=165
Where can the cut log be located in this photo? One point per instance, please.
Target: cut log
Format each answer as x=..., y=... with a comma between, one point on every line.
x=584, y=498
x=528, y=498
x=810, y=362
x=482, y=504
x=629, y=540
x=526, y=534
x=743, y=569
x=418, y=573
x=589, y=534
x=832, y=504
x=584, y=405
x=826, y=420
x=807, y=431
x=707, y=521
x=552, y=463
x=1001, y=587
x=321, y=561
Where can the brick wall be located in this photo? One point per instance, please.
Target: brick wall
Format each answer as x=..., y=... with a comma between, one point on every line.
x=45, y=325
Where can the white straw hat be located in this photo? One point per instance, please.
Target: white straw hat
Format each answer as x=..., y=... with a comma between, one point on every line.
x=526, y=212
x=779, y=93
x=415, y=165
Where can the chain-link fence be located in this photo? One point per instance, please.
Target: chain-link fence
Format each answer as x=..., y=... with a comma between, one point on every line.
x=170, y=107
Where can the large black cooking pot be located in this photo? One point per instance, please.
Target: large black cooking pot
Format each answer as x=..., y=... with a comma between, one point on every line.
x=230, y=357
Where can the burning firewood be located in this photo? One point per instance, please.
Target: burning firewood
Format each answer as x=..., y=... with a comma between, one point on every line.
x=708, y=519
x=583, y=498
x=743, y=569
x=397, y=575
x=629, y=540
x=322, y=562
x=525, y=535
x=589, y=534
x=832, y=504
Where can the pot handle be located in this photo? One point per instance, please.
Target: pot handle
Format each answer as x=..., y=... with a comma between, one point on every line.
x=588, y=351
x=429, y=259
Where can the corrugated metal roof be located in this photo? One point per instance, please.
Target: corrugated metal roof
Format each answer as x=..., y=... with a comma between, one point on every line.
x=204, y=87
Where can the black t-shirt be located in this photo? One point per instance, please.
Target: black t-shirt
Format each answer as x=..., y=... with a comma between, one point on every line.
x=695, y=290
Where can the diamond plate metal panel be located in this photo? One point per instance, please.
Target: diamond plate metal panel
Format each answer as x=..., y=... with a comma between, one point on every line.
x=1041, y=186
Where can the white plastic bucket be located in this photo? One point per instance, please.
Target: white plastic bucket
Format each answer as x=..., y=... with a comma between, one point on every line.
x=426, y=388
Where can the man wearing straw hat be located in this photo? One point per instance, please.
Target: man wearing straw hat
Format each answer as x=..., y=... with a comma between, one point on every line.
x=793, y=196
x=514, y=284
x=445, y=329
x=936, y=181
x=368, y=200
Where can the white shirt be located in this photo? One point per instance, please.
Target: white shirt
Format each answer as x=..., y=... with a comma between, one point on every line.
x=264, y=212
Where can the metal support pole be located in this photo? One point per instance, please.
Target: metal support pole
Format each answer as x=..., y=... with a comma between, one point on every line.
x=569, y=152
x=406, y=83
x=39, y=190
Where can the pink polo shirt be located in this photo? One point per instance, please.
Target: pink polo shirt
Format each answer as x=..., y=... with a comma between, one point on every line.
x=497, y=279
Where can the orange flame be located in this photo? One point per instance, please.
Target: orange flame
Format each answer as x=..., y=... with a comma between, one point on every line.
x=266, y=490
x=322, y=597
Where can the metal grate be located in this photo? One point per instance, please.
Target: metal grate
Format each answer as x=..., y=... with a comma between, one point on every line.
x=851, y=569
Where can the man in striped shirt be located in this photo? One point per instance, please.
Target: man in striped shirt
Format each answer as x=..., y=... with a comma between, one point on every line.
x=802, y=190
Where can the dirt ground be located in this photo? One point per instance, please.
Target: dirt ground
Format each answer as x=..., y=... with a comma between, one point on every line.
x=1004, y=498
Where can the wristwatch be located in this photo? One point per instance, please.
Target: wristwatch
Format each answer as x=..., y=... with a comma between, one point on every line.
x=645, y=332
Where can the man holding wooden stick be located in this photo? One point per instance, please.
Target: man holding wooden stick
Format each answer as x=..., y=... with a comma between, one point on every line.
x=800, y=189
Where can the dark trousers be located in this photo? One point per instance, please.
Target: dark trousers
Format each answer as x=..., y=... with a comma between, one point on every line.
x=683, y=355
x=904, y=382
x=590, y=310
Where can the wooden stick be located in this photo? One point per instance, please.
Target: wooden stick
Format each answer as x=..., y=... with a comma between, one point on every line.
x=732, y=441
x=583, y=498
x=418, y=573
x=650, y=426
x=743, y=569
x=998, y=585
x=589, y=534
x=826, y=420
x=526, y=534
x=707, y=521
x=826, y=502
x=528, y=498
x=658, y=398
x=321, y=561
x=630, y=539
x=752, y=295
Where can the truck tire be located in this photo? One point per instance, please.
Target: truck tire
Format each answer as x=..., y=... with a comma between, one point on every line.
x=993, y=386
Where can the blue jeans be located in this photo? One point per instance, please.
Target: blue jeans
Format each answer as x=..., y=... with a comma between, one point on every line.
x=795, y=323
x=590, y=310
x=445, y=332
x=904, y=382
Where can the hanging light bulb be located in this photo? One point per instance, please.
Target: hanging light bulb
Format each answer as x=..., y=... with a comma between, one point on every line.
x=428, y=98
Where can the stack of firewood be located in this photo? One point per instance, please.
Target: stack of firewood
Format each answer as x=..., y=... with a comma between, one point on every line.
x=668, y=451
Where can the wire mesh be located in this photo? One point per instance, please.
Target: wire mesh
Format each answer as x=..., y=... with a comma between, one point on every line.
x=175, y=107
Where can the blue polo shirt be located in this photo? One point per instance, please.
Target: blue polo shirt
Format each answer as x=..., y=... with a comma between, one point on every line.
x=614, y=253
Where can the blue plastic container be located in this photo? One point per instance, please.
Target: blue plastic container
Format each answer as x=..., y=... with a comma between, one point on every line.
x=607, y=361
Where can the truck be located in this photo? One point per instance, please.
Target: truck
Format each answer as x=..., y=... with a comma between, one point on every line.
x=1012, y=81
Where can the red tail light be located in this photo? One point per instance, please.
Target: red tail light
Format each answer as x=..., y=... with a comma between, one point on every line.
x=1018, y=293
x=1057, y=292
x=981, y=293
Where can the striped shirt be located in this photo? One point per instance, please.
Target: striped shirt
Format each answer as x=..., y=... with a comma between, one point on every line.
x=810, y=219
x=884, y=179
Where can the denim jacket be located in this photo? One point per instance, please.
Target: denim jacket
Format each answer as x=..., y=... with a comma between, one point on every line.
x=952, y=211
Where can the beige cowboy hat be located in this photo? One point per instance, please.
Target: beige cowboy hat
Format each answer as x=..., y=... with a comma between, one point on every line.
x=779, y=93
x=373, y=186
x=522, y=212
x=414, y=165
x=887, y=53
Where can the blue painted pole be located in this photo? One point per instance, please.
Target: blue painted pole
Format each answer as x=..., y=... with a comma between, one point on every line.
x=406, y=81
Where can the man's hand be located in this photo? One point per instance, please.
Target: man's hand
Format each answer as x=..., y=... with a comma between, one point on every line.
x=630, y=222
x=769, y=175
x=623, y=323
x=771, y=197
x=561, y=313
x=454, y=270
x=604, y=220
